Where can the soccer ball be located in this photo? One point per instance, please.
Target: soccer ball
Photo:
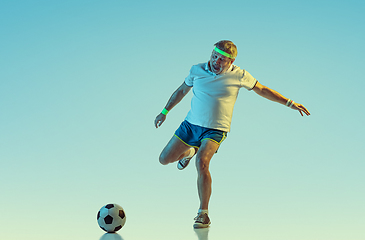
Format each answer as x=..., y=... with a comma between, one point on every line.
x=111, y=218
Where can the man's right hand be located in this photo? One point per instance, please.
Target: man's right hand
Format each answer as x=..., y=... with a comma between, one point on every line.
x=159, y=120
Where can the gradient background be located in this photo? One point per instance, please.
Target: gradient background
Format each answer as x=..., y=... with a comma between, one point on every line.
x=82, y=81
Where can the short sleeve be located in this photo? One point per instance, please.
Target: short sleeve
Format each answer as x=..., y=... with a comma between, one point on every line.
x=189, y=80
x=248, y=81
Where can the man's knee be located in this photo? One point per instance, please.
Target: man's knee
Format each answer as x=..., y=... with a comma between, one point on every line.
x=202, y=164
x=163, y=159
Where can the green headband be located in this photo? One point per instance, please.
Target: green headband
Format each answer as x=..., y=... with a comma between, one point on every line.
x=223, y=53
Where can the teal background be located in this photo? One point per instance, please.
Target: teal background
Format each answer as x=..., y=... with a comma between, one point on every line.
x=81, y=83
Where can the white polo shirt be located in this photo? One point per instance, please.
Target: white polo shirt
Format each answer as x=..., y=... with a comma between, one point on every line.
x=214, y=95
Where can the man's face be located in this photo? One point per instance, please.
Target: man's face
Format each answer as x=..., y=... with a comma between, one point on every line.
x=219, y=63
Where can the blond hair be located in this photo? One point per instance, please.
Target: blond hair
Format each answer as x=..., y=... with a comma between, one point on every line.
x=227, y=46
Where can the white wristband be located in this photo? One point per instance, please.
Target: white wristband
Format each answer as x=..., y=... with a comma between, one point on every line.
x=289, y=103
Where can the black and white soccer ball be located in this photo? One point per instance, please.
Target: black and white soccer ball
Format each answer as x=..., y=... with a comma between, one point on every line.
x=111, y=218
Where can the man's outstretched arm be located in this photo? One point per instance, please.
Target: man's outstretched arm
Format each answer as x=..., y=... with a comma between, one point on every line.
x=175, y=98
x=273, y=95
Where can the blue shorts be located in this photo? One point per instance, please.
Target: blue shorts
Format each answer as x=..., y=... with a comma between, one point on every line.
x=193, y=135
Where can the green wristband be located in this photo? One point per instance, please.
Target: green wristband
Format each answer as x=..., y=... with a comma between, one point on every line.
x=165, y=111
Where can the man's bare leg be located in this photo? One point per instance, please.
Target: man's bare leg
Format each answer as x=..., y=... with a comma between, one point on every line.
x=204, y=155
x=174, y=151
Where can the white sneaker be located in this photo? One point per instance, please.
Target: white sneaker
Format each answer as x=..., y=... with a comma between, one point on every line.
x=202, y=221
x=184, y=162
